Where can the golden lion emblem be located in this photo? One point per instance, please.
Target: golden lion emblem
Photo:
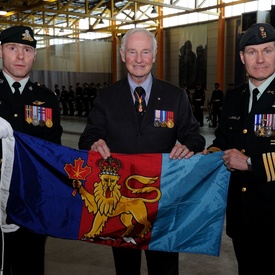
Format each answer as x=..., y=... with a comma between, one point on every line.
x=107, y=201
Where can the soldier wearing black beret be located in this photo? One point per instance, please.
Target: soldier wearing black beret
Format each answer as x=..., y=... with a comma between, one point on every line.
x=34, y=110
x=257, y=34
x=246, y=134
x=18, y=34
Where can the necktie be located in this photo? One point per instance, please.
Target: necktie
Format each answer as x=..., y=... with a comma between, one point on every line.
x=254, y=100
x=140, y=103
x=16, y=86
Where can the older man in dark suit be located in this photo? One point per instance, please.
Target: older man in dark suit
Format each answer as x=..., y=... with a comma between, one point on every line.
x=141, y=114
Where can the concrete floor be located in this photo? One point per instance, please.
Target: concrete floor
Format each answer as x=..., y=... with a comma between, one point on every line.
x=67, y=257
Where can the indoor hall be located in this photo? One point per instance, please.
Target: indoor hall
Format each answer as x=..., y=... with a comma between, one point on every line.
x=67, y=257
x=75, y=44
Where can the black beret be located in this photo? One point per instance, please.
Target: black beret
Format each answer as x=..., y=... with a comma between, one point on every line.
x=18, y=34
x=258, y=33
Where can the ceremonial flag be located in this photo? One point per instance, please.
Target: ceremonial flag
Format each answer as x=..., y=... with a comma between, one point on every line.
x=144, y=201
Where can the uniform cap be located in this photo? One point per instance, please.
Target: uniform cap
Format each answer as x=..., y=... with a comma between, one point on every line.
x=18, y=34
x=257, y=34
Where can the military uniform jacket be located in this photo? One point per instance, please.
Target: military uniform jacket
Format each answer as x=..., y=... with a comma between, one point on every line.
x=251, y=195
x=198, y=98
x=34, y=100
x=216, y=100
x=114, y=119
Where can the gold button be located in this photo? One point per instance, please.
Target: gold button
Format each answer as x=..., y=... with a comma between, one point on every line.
x=244, y=189
x=245, y=131
x=15, y=115
x=243, y=151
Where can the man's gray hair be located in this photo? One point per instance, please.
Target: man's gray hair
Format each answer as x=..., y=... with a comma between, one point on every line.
x=134, y=30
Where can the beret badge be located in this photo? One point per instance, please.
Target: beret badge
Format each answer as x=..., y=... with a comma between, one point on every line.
x=27, y=36
x=262, y=32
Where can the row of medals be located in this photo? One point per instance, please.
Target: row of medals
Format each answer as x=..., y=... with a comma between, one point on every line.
x=31, y=118
x=158, y=123
x=264, y=125
x=164, y=119
x=36, y=122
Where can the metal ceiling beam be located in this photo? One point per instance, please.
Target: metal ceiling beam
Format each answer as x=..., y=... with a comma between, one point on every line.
x=53, y=14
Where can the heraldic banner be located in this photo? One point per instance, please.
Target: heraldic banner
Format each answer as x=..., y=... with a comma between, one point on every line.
x=144, y=201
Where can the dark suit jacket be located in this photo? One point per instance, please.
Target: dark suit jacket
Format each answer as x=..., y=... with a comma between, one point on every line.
x=15, y=112
x=114, y=119
x=251, y=197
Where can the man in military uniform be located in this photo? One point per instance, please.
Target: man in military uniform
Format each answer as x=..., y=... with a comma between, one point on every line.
x=78, y=99
x=198, y=103
x=64, y=101
x=246, y=135
x=215, y=104
x=71, y=102
x=56, y=90
x=33, y=110
x=85, y=96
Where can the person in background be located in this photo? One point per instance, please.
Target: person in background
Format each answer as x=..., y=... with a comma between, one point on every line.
x=78, y=99
x=64, y=101
x=184, y=86
x=246, y=135
x=30, y=109
x=85, y=98
x=71, y=100
x=230, y=87
x=92, y=94
x=56, y=90
x=198, y=99
x=128, y=117
x=215, y=104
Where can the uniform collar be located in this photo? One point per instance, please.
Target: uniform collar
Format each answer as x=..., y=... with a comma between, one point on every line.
x=263, y=86
x=10, y=80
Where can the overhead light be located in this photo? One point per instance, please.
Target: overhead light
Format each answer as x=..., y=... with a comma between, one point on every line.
x=2, y=11
x=154, y=10
x=100, y=21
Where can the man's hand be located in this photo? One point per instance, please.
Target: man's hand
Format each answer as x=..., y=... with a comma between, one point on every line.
x=205, y=152
x=5, y=128
x=180, y=151
x=235, y=160
x=101, y=147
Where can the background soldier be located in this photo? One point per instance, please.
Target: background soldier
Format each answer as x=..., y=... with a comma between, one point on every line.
x=78, y=99
x=215, y=104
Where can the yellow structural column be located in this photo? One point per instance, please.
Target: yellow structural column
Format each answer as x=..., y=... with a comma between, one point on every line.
x=160, y=45
x=114, y=52
x=220, y=56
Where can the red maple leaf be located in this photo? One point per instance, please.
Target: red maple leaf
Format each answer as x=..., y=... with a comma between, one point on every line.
x=77, y=171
